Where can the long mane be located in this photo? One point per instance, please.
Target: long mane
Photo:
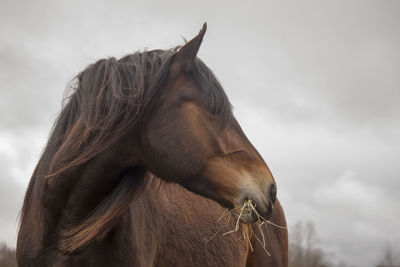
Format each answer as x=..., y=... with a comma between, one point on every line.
x=107, y=100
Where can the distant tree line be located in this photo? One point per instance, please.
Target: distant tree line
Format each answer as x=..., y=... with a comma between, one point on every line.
x=7, y=256
x=304, y=251
x=388, y=258
x=303, y=247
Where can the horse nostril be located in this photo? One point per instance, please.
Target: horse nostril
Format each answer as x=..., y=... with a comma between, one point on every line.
x=272, y=193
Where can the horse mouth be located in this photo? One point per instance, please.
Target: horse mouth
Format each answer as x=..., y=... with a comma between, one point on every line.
x=248, y=217
x=249, y=212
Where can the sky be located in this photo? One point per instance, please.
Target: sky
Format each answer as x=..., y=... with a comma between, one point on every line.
x=314, y=84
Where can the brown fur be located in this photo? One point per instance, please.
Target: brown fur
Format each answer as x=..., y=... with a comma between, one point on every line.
x=140, y=163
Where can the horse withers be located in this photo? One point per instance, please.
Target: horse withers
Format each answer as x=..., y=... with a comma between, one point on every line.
x=147, y=166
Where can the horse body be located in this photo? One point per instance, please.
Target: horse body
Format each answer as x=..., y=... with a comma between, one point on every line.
x=142, y=163
x=170, y=226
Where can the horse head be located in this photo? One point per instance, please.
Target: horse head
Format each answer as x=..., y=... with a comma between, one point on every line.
x=189, y=136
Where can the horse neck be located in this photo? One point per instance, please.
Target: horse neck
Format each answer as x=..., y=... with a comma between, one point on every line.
x=87, y=187
x=64, y=201
x=80, y=190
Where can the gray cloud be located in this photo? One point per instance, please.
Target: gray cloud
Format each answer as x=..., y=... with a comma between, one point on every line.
x=11, y=194
x=315, y=86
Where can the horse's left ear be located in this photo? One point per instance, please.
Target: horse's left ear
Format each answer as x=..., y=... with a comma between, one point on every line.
x=184, y=58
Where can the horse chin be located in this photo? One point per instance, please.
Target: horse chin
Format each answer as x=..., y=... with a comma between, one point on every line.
x=249, y=218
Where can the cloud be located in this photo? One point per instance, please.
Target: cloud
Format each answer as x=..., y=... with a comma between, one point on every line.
x=11, y=194
x=366, y=212
x=346, y=182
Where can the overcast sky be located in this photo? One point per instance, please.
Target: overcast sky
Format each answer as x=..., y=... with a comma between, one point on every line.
x=314, y=84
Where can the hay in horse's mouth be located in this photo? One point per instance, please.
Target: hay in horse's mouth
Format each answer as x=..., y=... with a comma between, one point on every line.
x=248, y=207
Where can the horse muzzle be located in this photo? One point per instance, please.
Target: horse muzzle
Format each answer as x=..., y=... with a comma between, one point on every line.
x=253, y=208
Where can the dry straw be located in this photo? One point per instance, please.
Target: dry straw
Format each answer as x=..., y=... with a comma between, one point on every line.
x=248, y=231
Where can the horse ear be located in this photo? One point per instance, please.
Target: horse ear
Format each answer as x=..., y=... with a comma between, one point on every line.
x=184, y=58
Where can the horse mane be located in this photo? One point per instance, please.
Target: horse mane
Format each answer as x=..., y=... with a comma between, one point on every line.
x=107, y=99
x=103, y=103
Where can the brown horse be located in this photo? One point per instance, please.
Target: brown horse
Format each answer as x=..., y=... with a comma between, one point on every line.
x=141, y=164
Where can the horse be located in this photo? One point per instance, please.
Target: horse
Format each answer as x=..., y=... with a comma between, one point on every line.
x=143, y=165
